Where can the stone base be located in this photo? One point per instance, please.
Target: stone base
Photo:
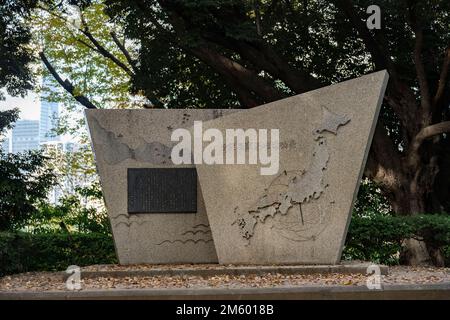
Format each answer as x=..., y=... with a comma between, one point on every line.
x=439, y=291
x=209, y=270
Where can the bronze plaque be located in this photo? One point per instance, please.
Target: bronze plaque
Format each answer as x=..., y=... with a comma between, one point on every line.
x=162, y=190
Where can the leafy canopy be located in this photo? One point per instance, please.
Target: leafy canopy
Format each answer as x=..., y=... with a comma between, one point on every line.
x=23, y=181
x=15, y=54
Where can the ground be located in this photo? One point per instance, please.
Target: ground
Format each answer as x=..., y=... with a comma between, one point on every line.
x=54, y=281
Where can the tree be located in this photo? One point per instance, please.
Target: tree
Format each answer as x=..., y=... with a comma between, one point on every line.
x=23, y=181
x=15, y=56
x=94, y=80
x=203, y=53
x=81, y=211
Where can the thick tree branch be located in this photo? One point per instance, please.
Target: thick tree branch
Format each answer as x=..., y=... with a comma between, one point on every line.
x=264, y=57
x=269, y=60
x=258, y=53
x=236, y=73
x=66, y=84
x=84, y=43
x=246, y=99
x=424, y=134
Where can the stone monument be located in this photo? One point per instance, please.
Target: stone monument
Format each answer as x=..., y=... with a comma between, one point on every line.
x=231, y=213
x=128, y=144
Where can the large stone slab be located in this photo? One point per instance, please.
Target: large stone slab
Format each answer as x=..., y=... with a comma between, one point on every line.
x=124, y=139
x=301, y=214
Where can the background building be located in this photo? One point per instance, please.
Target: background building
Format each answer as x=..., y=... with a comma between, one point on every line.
x=5, y=144
x=48, y=116
x=25, y=136
x=31, y=134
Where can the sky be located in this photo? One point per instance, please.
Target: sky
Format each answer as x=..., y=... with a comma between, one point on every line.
x=29, y=106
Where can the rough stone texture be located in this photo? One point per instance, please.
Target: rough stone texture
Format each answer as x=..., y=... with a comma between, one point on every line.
x=301, y=214
x=124, y=139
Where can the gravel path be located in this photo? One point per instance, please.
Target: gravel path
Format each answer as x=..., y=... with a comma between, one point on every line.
x=44, y=281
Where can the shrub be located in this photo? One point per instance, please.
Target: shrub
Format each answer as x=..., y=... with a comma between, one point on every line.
x=22, y=252
x=23, y=182
x=376, y=238
x=82, y=212
x=379, y=237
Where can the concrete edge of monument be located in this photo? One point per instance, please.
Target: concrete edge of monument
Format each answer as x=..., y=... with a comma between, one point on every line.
x=366, y=154
x=439, y=291
x=220, y=270
x=139, y=139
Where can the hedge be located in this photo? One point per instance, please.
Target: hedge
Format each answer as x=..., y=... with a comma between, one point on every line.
x=373, y=237
x=22, y=252
x=379, y=238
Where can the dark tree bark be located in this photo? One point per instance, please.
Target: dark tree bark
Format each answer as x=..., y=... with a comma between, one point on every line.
x=66, y=84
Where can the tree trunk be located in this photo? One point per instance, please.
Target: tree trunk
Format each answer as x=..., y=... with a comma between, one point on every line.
x=405, y=201
x=409, y=187
x=415, y=253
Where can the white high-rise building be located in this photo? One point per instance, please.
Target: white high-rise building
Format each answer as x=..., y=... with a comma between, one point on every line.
x=49, y=114
x=25, y=136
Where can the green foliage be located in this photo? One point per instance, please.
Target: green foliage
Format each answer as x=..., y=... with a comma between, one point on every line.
x=379, y=238
x=376, y=234
x=72, y=214
x=80, y=206
x=371, y=200
x=15, y=56
x=376, y=238
x=71, y=53
x=432, y=228
x=22, y=252
x=23, y=181
x=7, y=118
x=309, y=35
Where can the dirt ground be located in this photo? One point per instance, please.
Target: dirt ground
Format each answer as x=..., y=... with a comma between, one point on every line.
x=44, y=281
